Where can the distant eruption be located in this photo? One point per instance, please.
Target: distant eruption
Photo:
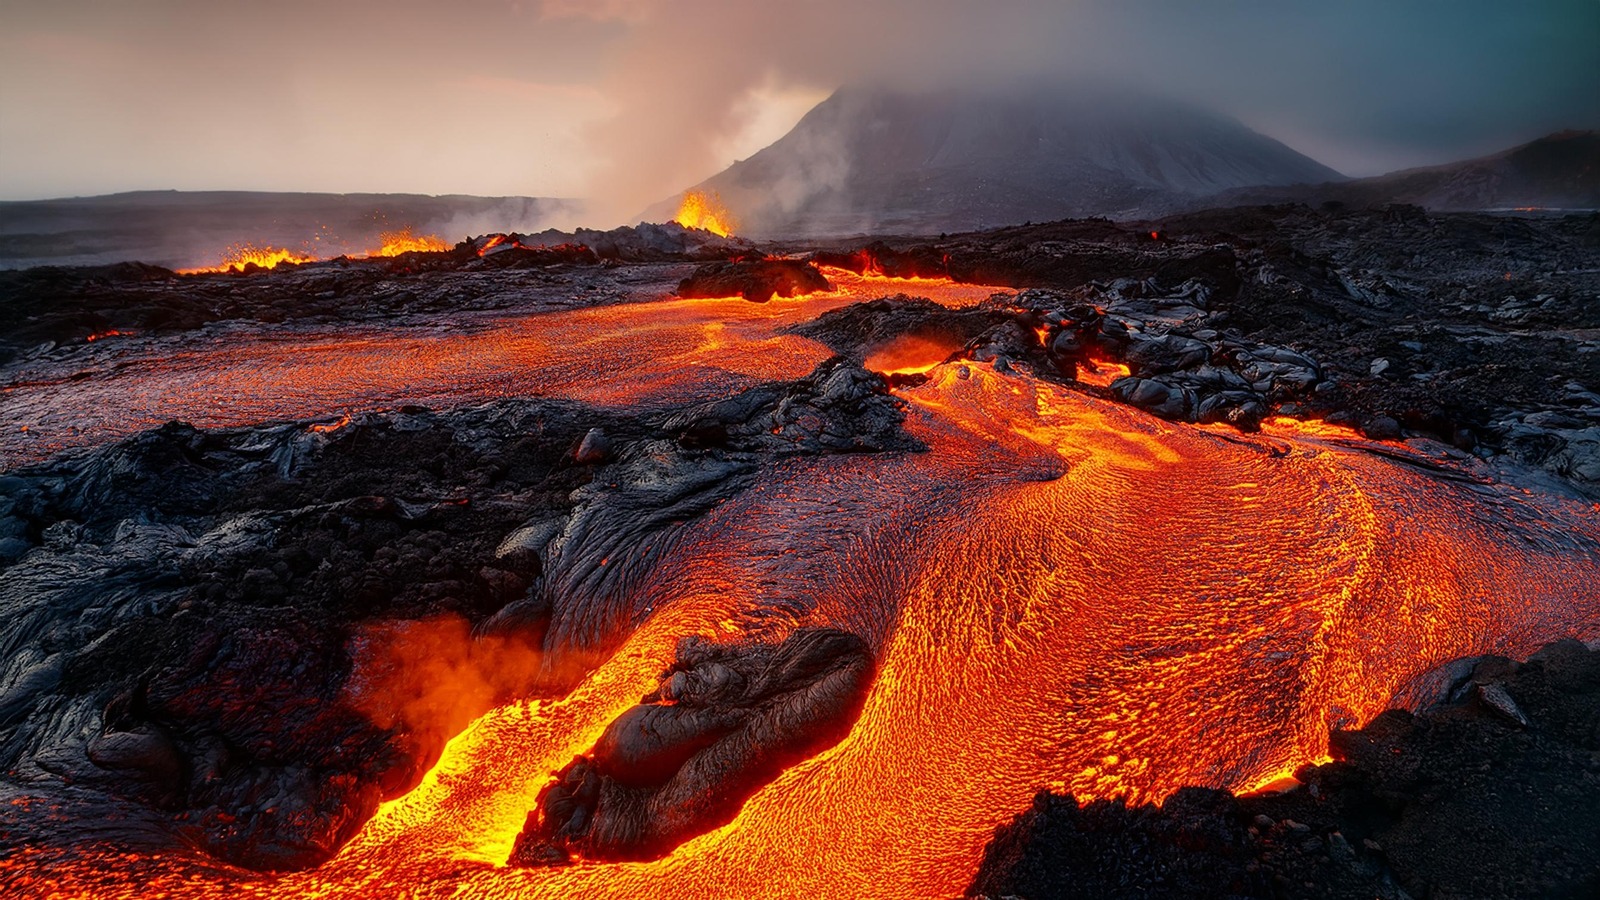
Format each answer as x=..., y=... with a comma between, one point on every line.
x=705, y=210
x=404, y=241
x=240, y=257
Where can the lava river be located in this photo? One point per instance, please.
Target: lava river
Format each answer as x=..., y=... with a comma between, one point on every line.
x=1061, y=593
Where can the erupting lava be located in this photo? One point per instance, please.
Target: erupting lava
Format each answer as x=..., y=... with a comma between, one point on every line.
x=241, y=256
x=1062, y=593
x=701, y=210
x=404, y=241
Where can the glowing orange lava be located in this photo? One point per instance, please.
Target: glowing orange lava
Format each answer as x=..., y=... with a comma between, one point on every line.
x=395, y=243
x=1288, y=426
x=1062, y=592
x=702, y=210
x=909, y=355
x=1103, y=373
x=242, y=255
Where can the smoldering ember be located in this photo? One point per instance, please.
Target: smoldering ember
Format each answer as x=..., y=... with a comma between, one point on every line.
x=1236, y=536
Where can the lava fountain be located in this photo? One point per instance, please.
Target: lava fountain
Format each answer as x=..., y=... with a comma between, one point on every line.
x=394, y=243
x=241, y=257
x=703, y=210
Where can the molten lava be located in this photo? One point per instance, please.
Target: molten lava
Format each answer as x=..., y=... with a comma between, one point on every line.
x=395, y=243
x=241, y=256
x=910, y=355
x=1061, y=592
x=702, y=210
x=1100, y=373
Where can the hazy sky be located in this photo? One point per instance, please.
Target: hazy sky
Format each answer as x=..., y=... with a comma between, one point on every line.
x=630, y=100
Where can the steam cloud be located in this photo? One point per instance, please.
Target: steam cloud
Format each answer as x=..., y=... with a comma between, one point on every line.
x=1364, y=87
x=627, y=102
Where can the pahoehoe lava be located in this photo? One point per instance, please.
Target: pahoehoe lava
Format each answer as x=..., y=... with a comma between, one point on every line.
x=724, y=721
x=686, y=597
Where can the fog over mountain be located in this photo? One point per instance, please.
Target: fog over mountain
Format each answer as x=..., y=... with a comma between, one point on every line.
x=885, y=159
x=623, y=102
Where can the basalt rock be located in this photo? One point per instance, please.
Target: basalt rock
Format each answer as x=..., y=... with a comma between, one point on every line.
x=725, y=720
x=757, y=280
x=855, y=331
x=1489, y=794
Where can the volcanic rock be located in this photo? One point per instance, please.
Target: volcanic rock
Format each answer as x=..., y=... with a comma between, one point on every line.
x=1165, y=400
x=755, y=280
x=857, y=330
x=594, y=448
x=1416, y=805
x=725, y=720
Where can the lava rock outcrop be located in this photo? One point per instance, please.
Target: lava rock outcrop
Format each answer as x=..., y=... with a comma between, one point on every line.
x=1492, y=794
x=756, y=280
x=725, y=720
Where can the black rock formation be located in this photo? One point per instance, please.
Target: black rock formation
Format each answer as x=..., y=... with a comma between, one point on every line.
x=725, y=720
x=1493, y=794
x=756, y=280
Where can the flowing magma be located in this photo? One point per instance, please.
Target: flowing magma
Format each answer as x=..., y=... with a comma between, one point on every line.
x=1061, y=593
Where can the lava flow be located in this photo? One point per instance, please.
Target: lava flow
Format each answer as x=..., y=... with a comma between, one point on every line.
x=695, y=350
x=1061, y=592
x=702, y=210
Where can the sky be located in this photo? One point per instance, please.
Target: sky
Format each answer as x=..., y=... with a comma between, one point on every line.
x=625, y=102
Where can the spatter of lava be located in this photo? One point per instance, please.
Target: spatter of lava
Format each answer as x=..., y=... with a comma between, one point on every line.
x=241, y=257
x=705, y=210
x=405, y=240
x=1061, y=593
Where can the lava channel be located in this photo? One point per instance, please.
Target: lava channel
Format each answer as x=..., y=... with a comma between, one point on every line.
x=1060, y=593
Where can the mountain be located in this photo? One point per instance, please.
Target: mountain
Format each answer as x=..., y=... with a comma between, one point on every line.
x=886, y=160
x=1559, y=171
x=187, y=228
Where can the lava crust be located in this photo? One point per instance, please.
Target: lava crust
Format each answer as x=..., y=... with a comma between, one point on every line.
x=725, y=721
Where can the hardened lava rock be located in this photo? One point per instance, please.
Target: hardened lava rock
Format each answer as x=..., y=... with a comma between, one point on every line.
x=756, y=280
x=725, y=720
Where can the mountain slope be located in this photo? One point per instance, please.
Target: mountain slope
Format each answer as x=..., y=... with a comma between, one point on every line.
x=868, y=159
x=1558, y=171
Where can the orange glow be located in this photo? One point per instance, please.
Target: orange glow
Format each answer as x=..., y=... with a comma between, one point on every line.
x=909, y=355
x=1103, y=373
x=702, y=210
x=241, y=255
x=494, y=241
x=1287, y=426
x=329, y=427
x=1062, y=592
x=404, y=241
x=916, y=286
